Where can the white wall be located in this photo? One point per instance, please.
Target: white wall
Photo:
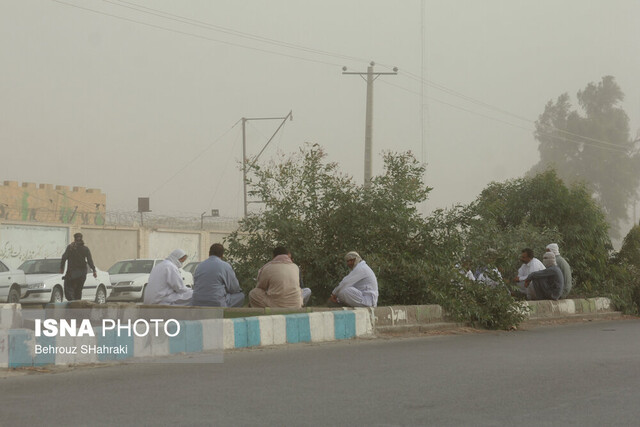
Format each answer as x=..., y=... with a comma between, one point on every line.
x=162, y=243
x=21, y=242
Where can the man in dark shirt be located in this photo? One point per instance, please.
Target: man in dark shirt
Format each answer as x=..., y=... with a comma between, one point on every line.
x=78, y=256
x=547, y=283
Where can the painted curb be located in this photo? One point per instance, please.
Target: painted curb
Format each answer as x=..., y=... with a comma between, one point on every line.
x=18, y=346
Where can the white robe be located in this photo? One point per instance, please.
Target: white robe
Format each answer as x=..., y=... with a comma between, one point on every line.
x=166, y=286
x=359, y=288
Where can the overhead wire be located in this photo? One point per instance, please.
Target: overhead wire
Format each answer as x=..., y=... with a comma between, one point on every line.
x=224, y=170
x=498, y=109
x=615, y=149
x=196, y=157
x=186, y=33
x=178, y=18
x=227, y=30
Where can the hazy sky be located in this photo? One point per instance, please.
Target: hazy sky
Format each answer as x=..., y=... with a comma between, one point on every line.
x=100, y=101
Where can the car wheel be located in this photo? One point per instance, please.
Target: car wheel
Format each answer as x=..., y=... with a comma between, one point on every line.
x=14, y=296
x=56, y=294
x=101, y=295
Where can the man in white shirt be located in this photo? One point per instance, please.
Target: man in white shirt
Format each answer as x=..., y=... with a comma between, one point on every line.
x=530, y=264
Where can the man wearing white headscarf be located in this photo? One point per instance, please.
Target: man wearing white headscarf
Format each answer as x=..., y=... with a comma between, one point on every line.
x=547, y=283
x=165, y=282
x=564, y=266
x=359, y=288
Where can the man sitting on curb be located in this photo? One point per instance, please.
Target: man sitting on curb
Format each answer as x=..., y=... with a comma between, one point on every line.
x=278, y=283
x=215, y=283
x=547, y=283
x=564, y=266
x=165, y=282
x=359, y=288
x=529, y=265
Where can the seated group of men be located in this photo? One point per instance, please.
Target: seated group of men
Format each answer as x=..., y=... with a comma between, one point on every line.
x=279, y=283
x=549, y=279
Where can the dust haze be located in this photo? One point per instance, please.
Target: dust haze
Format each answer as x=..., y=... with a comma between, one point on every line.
x=142, y=98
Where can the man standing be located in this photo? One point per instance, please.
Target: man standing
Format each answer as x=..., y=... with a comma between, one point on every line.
x=77, y=256
x=359, y=288
x=564, y=266
x=215, y=283
x=278, y=283
x=530, y=264
x=165, y=282
x=547, y=283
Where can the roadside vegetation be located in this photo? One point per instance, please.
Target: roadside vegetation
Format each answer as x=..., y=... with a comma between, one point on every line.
x=320, y=214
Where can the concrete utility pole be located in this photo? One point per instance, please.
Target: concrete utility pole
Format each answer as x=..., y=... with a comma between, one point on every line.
x=255, y=159
x=368, y=127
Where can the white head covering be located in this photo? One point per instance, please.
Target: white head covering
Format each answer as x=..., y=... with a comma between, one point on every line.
x=549, y=259
x=553, y=247
x=175, y=256
x=353, y=255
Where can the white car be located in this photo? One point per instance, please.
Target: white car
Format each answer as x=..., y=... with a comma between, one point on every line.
x=129, y=278
x=191, y=267
x=45, y=283
x=13, y=284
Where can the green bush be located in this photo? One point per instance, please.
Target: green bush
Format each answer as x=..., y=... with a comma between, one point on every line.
x=320, y=214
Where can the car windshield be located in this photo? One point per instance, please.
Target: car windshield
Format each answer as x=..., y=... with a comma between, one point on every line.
x=41, y=266
x=137, y=266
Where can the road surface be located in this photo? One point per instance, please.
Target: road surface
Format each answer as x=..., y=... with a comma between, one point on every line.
x=585, y=374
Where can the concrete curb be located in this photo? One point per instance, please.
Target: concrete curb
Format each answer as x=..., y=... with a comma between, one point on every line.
x=17, y=346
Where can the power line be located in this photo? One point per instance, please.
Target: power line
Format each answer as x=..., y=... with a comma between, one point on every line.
x=618, y=150
x=224, y=170
x=194, y=35
x=227, y=30
x=497, y=109
x=189, y=21
x=195, y=158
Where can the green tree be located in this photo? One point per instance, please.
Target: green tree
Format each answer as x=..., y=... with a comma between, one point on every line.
x=320, y=214
x=542, y=209
x=630, y=251
x=592, y=145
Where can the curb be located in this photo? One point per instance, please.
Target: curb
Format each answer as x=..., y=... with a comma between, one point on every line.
x=18, y=346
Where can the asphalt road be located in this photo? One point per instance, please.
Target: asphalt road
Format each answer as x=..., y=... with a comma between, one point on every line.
x=578, y=374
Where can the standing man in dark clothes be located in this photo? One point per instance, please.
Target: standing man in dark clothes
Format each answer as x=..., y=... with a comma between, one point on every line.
x=78, y=256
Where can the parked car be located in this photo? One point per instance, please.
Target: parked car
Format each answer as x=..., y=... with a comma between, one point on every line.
x=45, y=283
x=129, y=278
x=13, y=284
x=191, y=267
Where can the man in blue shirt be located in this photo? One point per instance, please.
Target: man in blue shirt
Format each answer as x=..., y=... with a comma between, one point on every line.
x=214, y=282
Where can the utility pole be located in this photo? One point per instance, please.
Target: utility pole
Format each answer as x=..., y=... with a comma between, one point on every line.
x=368, y=127
x=255, y=159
